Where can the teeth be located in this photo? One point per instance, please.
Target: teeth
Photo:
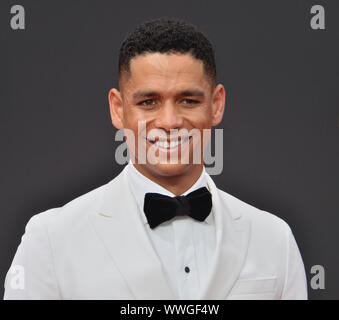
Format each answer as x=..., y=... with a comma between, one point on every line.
x=168, y=145
x=163, y=144
x=173, y=144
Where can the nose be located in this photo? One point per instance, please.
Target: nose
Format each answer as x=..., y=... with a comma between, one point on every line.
x=169, y=117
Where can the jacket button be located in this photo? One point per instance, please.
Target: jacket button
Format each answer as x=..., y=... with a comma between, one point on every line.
x=187, y=269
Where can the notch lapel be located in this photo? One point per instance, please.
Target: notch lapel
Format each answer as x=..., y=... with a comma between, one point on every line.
x=121, y=230
x=232, y=236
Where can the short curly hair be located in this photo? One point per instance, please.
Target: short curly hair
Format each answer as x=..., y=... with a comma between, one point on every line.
x=167, y=35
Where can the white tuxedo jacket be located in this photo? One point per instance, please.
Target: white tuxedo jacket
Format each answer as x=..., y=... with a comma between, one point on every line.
x=96, y=247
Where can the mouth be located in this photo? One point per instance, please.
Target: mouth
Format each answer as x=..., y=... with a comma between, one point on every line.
x=169, y=144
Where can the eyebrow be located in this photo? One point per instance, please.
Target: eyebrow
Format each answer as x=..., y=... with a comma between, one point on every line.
x=144, y=94
x=192, y=93
x=186, y=93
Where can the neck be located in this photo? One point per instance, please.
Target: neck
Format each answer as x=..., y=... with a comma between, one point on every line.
x=177, y=184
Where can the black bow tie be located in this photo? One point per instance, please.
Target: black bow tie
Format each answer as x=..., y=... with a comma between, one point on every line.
x=159, y=208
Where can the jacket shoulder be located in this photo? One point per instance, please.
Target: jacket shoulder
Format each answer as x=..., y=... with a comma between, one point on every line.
x=75, y=211
x=260, y=220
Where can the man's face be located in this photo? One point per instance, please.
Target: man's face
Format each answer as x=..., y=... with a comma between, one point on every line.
x=168, y=92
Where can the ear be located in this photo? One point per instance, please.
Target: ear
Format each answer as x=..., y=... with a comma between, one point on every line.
x=218, y=104
x=116, y=108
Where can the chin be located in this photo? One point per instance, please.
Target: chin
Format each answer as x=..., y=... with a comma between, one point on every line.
x=167, y=169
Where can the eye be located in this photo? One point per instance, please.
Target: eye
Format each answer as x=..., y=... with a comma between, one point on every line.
x=189, y=101
x=148, y=102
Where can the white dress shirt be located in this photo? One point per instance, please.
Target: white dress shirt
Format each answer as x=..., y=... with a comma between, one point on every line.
x=184, y=245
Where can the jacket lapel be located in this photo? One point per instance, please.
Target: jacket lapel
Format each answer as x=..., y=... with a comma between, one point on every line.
x=232, y=236
x=121, y=230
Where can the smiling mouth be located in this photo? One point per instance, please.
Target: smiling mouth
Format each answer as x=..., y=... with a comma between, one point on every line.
x=165, y=144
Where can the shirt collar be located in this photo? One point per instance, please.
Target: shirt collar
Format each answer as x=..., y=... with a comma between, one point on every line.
x=140, y=185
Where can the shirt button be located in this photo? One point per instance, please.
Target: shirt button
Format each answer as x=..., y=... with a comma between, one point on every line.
x=187, y=269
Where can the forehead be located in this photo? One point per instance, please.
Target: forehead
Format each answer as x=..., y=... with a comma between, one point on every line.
x=166, y=72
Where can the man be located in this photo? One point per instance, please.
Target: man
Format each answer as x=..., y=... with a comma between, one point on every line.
x=160, y=229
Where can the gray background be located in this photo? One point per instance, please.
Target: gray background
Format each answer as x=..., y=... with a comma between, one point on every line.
x=280, y=125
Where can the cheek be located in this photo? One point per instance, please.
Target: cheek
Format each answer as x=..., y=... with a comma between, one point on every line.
x=200, y=120
x=136, y=121
x=131, y=118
